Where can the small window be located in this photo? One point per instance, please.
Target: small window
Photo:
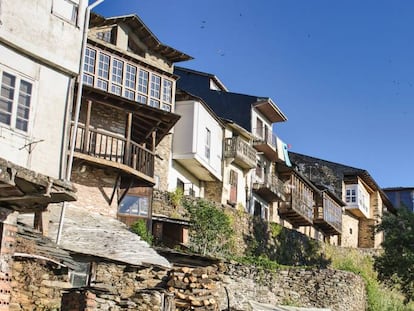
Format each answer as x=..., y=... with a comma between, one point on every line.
x=134, y=205
x=208, y=143
x=66, y=9
x=105, y=36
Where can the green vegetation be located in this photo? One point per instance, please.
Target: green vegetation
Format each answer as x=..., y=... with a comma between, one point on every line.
x=395, y=265
x=380, y=298
x=176, y=197
x=211, y=232
x=140, y=227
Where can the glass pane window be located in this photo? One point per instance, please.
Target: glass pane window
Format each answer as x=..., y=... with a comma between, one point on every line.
x=167, y=91
x=90, y=56
x=142, y=99
x=15, y=101
x=23, y=105
x=130, y=76
x=116, y=90
x=8, y=84
x=88, y=79
x=129, y=94
x=117, y=71
x=143, y=81
x=103, y=66
x=102, y=84
x=155, y=86
x=134, y=205
x=208, y=143
x=166, y=107
x=154, y=103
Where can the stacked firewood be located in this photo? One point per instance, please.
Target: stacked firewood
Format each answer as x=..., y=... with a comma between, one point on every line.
x=194, y=289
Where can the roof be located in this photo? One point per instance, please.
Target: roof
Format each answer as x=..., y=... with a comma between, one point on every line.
x=25, y=190
x=205, y=74
x=143, y=32
x=347, y=173
x=227, y=105
x=102, y=236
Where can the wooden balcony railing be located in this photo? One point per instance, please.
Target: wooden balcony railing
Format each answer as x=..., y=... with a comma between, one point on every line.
x=298, y=207
x=329, y=215
x=243, y=153
x=103, y=145
x=270, y=187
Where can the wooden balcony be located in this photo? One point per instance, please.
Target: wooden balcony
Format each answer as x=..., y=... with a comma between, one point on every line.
x=242, y=153
x=270, y=188
x=328, y=215
x=107, y=149
x=298, y=206
x=264, y=141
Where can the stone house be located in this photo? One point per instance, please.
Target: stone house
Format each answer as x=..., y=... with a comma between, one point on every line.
x=122, y=144
x=33, y=115
x=365, y=200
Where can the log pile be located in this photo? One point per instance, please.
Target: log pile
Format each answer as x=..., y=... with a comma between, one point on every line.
x=194, y=289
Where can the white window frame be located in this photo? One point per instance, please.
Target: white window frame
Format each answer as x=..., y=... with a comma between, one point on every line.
x=15, y=105
x=61, y=9
x=207, y=150
x=146, y=87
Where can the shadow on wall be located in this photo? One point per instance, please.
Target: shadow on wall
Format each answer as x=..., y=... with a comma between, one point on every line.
x=285, y=246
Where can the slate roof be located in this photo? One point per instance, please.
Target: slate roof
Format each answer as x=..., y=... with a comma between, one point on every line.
x=94, y=234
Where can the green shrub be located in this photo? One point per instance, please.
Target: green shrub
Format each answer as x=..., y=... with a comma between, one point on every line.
x=140, y=228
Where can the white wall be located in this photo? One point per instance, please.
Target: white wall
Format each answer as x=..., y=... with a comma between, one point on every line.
x=179, y=172
x=46, y=121
x=32, y=27
x=189, y=136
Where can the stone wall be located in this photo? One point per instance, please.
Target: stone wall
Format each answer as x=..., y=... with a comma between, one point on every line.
x=95, y=187
x=162, y=162
x=323, y=288
x=37, y=285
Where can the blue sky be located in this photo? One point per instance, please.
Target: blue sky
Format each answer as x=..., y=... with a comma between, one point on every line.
x=341, y=71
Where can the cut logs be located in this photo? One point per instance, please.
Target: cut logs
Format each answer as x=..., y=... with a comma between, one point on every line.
x=194, y=289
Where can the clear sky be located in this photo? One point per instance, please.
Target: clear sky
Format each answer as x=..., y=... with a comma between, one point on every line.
x=341, y=71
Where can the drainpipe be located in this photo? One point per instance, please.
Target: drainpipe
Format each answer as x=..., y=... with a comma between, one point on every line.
x=77, y=109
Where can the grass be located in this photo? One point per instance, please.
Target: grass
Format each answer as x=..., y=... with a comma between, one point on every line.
x=379, y=297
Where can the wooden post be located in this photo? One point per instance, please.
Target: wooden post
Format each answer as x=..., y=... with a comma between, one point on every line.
x=87, y=124
x=127, y=150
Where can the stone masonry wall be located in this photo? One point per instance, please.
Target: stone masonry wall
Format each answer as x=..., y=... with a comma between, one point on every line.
x=95, y=188
x=37, y=285
x=323, y=288
x=162, y=162
x=116, y=287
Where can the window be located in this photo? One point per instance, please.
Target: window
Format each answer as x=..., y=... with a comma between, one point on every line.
x=117, y=72
x=66, y=9
x=350, y=196
x=105, y=36
x=208, y=143
x=111, y=73
x=130, y=79
x=134, y=205
x=103, y=71
x=15, y=100
x=259, y=128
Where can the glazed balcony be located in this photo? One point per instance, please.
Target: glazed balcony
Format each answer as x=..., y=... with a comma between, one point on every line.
x=108, y=149
x=298, y=206
x=264, y=141
x=242, y=153
x=270, y=188
x=328, y=215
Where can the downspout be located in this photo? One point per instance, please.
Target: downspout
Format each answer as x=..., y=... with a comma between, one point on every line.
x=77, y=109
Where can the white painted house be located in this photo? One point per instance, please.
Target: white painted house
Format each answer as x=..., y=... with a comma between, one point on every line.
x=197, y=148
x=40, y=48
